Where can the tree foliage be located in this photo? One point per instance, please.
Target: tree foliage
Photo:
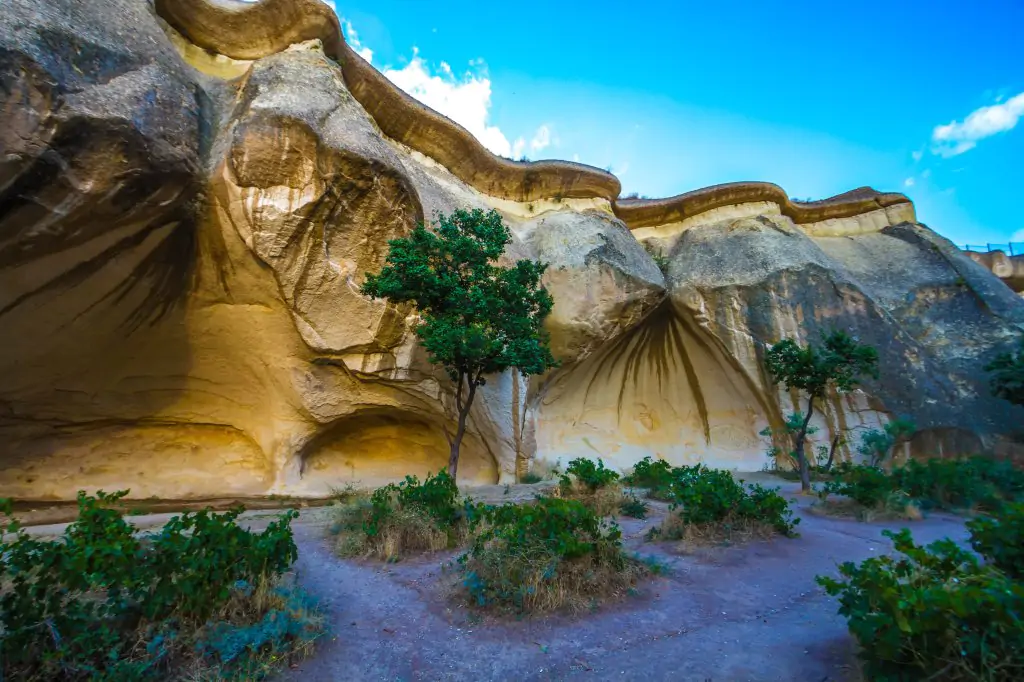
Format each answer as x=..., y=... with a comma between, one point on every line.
x=1007, y=381
x=477, y=317
x=839, y=363
x=876, y=446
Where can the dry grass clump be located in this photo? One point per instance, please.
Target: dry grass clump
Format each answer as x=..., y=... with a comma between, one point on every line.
x=402, y=519
x=531, y=578
x=897, y=506
x=266, y=618
x=542, y=470
x=731, y=529
x=556, y=553
x=403, y=532
x=604, y=501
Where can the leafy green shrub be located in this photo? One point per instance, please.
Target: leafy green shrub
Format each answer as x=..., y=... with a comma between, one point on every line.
x=866, y=485
x=980, y=482
x=403, y=517
x=547, y=555
x=634, y=507
x=1000, y=539
x=655, y=475
x=592, y=484
x=705, y=497
x=1007, y=381
x=585, y=472
x=101, y=603
x=877, y=445
x=437, y=497
x=933, y=613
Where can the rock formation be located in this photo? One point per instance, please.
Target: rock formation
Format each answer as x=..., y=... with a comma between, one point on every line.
x=1010, y=269
x=192, y=191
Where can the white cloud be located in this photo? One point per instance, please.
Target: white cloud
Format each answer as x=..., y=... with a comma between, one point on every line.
x=958, y=137
x=909, y=182
x=465, y=100
x=926, y=173
x=541, y=139
x=352, y=38
x=576, y=158
x=917, y=155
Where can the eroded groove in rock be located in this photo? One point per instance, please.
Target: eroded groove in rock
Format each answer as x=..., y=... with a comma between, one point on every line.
x=181, y=252
x=660, y=389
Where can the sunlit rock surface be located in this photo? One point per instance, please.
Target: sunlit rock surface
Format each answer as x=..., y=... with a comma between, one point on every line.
x=191, y=194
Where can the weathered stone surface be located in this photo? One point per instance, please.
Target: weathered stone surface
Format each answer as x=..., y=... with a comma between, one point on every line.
x=1010, y=269
x=187, y=210
x=935, y=317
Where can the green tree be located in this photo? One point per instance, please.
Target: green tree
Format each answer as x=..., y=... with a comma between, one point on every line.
x=877, y=445
x=477, y=317
x=1007, y=380
x=838, y=364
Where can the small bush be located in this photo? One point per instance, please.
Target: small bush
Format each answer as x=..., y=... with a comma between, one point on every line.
x=870, y=492
x=101, y=603
x=1000, y=539
x=1007, y=381
x=398, y=519
x=877, y=446
x=705, y=501
x=592, y=484
x=531, y=477
x=547, y=555
x=933, y=613
x=655, y=475
x=587, y=473
x=868, y=486
x=633, y=507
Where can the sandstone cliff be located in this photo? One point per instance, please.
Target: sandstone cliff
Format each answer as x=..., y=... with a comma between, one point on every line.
x=1010, y=269
x=191, y=193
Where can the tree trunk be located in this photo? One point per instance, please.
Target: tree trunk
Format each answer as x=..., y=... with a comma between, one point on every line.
x=800, y=440
x=453, y=457
x=832, y=451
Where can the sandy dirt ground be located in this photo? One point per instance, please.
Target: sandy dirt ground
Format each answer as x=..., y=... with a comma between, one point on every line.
x=722, y=614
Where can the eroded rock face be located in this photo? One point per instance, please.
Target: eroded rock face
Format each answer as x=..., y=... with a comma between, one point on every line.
x=184, y=228
x=1010, y=269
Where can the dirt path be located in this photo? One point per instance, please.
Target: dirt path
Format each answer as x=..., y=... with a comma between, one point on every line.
x=750, y=612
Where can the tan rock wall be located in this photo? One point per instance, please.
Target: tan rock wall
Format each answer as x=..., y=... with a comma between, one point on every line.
x=188, y=213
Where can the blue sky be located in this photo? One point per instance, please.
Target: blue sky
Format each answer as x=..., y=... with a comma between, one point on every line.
x=918, y=97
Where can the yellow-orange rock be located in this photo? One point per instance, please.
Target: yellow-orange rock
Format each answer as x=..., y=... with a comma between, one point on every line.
x=188, y=207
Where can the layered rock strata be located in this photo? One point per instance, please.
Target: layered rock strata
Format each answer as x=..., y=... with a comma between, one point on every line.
x=191, y=193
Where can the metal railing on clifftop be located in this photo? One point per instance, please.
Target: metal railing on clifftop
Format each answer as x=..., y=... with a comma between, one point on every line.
x=1010, y=248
